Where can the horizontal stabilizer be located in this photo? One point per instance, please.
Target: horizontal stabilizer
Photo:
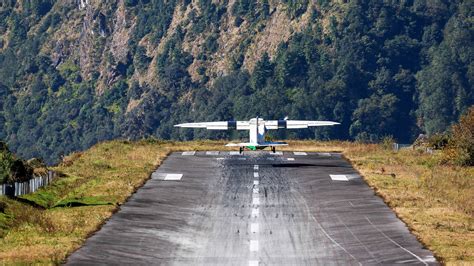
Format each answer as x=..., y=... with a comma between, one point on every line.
x=262, y=144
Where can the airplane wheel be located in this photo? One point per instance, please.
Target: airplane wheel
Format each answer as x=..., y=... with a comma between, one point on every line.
x=241, y=150
x=273, y=149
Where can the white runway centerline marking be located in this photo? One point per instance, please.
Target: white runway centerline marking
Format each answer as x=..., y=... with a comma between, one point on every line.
x=255, y=190
x=300, y=153
x=255, y=167
x=253, y=262
x=256, y=201
x=255, y=182
x=212, y=153
x=339, y=177
x=290, y=159
x=234, y=153
x=188, y=152
x=255, y=174
x=255, y=212
x=220, y=158
x=253, y=245
x=173, y=177
x=254, y=228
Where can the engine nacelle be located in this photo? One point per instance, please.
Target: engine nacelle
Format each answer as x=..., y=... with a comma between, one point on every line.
x=232, y=124
x=282, y=123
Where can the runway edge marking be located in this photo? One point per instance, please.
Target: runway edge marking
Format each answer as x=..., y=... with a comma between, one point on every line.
x=394, y=242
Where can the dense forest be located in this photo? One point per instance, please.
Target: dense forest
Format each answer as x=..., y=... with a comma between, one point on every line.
x=76, y=72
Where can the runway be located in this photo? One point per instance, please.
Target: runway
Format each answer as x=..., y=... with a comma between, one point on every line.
x=221, y=208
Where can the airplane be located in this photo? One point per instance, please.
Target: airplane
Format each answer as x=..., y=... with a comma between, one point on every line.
x=257, y=128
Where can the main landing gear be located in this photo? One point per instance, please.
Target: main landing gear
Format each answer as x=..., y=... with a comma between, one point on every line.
x=241, y=150
x=273, y=149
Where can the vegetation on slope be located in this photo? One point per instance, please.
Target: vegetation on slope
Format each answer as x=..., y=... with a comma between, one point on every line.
x=13, y=169
x=74, y=73
x=434, y=199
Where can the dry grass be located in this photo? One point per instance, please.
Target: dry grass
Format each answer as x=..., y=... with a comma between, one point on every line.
x=434, y=200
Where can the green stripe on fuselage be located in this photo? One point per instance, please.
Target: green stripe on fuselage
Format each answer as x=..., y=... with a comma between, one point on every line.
x=254, y=148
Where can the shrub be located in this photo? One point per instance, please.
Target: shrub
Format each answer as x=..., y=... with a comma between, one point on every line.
x=13, y=169
x=387, y=143
x=438, y=141
x=460, y=149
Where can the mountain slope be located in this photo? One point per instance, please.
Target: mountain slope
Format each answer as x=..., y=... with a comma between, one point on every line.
x=76, y=72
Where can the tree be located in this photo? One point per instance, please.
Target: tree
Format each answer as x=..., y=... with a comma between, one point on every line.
x=374, y=118
x=262, y=71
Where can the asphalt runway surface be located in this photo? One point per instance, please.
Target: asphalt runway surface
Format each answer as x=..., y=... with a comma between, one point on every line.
x=291, y=208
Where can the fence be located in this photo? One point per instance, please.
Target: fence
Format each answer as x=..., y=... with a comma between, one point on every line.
x=398, y=146
x=30, y=186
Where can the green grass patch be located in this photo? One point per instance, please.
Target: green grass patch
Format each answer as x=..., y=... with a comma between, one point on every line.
x=84, y=201
x=43, y=198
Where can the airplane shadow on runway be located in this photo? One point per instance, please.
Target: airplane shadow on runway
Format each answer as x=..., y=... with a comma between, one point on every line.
x=291, y=165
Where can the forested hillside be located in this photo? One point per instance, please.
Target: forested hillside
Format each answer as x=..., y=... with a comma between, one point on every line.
x=76, y=72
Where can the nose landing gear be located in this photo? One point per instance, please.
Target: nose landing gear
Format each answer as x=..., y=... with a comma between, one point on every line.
x=273, y=149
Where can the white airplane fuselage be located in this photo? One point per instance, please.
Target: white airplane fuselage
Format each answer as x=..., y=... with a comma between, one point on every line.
x=256, y=130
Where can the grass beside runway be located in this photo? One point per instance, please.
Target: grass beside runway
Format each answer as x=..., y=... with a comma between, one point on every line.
x=434, y=200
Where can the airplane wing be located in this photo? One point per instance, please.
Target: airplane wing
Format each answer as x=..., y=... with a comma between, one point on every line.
x=293, y=124
x=220, y=125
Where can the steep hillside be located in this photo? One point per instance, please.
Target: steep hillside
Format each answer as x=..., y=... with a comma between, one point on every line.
x=76, y=72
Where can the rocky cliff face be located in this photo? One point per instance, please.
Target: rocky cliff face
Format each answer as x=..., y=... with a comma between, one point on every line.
x=97, y=36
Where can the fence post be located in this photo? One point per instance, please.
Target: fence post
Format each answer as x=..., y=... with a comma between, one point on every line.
x=20, y=188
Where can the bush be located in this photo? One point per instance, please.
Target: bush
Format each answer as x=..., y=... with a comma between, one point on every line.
x=387, y=143
x=460, y=149
x=15, y=170
x=438, y=141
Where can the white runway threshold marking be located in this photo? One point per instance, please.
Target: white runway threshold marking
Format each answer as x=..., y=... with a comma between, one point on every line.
x=234, y=153
x=255, y=167
x=188, y=153
x=344, y=177
x=212, y=153
x=276, y=153
x=173, y=177
x=339, y=177
x=290, y=159
x=327, y=154
x=300, y=153
x=253, y=262
x=255, y=182
x=253, y=245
